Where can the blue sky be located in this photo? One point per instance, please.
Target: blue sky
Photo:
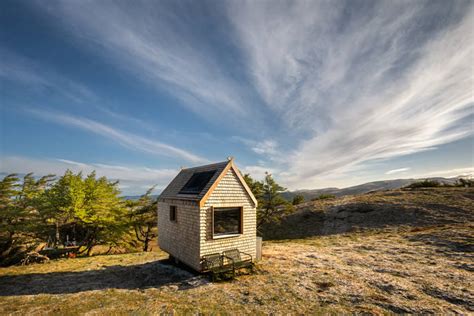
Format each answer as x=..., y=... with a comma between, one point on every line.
x=319, y=93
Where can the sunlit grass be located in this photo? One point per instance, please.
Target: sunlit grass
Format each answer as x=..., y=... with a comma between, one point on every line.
x=396, y=269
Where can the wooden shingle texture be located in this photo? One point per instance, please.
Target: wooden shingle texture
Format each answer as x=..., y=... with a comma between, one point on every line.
x=190, y=236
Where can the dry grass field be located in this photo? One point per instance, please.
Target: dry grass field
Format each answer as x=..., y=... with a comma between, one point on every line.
x=378, y=253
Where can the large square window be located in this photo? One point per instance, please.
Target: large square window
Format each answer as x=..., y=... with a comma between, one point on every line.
x=227, y=221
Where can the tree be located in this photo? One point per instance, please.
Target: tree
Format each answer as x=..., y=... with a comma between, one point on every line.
x=255, y=186
x=19, y=215
x=464, y=182
x=10, y=217
x=143, y=215
x=104, y=213
x=298, y=199
x=90, y=210
x=427, y=183
x=62, y=204
x=30, y=200
x=271, y=205
x=324, y=197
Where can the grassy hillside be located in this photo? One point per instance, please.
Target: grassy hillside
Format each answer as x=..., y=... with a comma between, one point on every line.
x=395, y=251
x=395, y=208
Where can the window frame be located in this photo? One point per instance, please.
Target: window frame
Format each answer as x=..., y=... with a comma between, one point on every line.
x=241, y=223
x=173, y=208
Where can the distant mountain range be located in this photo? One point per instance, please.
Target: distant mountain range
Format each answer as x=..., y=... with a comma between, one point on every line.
x=363, y=188
x=357, y=189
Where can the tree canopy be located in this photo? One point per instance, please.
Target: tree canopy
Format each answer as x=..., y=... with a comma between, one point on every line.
x=72, y=210
x=271, y=204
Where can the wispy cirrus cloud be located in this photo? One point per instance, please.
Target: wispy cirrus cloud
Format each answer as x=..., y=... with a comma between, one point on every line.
x=258, y=172
x=393, y=171
x=123, y=138
x=134, y=179
x=467, y=172
x=352, y=82
x=366, y=82
x=268, y=147
x=159, y=45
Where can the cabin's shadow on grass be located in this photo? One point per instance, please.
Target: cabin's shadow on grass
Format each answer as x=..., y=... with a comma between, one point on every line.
x=148, y=275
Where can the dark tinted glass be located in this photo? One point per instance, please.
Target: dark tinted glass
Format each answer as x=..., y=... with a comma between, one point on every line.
x=172, y=213
x=197, y=182
x=227, y=221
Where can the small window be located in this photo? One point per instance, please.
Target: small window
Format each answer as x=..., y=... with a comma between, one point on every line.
x=172, y=213
x=227, y=221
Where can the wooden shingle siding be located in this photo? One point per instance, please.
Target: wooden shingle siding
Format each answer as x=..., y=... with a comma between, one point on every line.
x=179, y=238
x=229, y=193
x=190, y=236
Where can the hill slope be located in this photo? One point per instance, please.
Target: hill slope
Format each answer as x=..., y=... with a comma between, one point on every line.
x=388, y=252
x=409, y=207
x=363, y=188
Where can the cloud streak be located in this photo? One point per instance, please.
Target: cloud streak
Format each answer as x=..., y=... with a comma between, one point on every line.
x=467, y=172
x=393, y=171
x=123, y=138
x=366, y=83
x=348, y=83
x=267, y=147
x=160, y=46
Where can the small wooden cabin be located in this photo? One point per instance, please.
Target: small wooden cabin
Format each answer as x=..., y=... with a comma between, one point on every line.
x=205, y=210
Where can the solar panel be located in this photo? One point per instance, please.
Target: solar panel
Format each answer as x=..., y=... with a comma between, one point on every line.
x=197, y=182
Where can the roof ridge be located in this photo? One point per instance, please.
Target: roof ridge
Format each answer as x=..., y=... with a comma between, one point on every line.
x=209, y=165
x=175, y=186
x=172, y=191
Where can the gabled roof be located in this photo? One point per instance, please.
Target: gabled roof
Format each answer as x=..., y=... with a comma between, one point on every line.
x=197, y=184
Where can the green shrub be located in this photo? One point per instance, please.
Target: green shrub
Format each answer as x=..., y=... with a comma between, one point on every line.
x=298, y=199
x=324, y=197
x=424, y=184
x=461, y=182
